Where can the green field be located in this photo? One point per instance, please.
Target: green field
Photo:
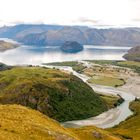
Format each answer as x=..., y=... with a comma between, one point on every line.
x=106, y=81
x=128, y=64
x=74, y=64
x=103, y=62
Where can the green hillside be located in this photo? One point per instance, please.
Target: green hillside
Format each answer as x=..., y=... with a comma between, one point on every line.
x=59, y=95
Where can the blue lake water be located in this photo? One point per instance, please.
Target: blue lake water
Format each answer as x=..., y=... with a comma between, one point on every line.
x=37, y=55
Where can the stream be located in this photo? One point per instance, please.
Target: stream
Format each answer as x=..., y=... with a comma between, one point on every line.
x=109, y=118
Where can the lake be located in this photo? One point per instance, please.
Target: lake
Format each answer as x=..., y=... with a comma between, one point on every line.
x=37, y=55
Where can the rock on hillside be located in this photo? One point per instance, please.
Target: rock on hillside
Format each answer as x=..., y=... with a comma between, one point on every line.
x=71, y=47
x=133, y=54
x=59, y=95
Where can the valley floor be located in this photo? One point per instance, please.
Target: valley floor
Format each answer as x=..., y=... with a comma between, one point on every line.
x=35, y=125
x=132, y=86
x=129, y=91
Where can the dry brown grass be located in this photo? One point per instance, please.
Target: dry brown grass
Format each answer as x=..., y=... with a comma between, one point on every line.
x=21, y=123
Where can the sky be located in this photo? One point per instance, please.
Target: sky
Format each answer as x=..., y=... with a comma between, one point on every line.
x=98, y=13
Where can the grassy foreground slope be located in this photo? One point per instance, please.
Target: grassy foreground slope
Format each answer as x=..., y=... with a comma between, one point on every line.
x=59, y=95
x=18, y=122
x=130, y=129
x=93, y=133
x=21, y=123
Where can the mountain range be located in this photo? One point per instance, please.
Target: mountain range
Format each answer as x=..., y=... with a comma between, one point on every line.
x=57, y=34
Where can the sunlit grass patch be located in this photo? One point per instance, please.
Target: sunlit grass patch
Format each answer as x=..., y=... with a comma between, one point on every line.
x=106, y=81
x=129, y=63
x=77, y=66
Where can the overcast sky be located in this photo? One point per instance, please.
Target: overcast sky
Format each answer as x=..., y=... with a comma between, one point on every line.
x=71, y=12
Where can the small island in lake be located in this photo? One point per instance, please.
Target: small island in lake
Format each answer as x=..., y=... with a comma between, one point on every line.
x=7, y=45
x=71, y=47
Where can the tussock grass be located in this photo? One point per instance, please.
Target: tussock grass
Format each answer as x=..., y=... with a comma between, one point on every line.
x=21, y=123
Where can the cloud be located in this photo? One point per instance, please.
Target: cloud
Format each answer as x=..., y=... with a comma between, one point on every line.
x=16, y=22
x=23, y=22
x=92, y=22
x=136, y=19
x=70, y=12
x=85, y=20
